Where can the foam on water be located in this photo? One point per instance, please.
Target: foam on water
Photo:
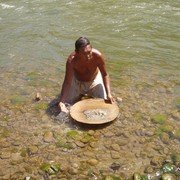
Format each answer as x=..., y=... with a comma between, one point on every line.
x=6, y=6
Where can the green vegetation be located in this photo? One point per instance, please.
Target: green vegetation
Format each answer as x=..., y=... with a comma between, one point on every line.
x=62, y=144
x=17, y=100
x=72, y=134
x=168, y=168
x=177, y=103
x=32, y=76
x=41, y=106
x=86, y=138
x=50, y=168
x=24, y=152
x=159, y=118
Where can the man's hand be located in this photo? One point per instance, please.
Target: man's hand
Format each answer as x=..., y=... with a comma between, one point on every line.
x=111, y=99
x=63, y=108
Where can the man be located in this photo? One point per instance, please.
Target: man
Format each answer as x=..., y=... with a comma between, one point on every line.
x=85, y=75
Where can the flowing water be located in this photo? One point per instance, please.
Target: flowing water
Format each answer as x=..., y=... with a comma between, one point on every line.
x=140, y=40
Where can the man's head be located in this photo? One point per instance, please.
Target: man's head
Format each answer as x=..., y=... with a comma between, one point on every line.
x=81, y=42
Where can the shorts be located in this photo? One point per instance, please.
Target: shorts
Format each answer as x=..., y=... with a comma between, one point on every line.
x=93, y=88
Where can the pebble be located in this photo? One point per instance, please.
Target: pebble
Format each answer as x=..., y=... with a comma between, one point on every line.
x=80, y=144
x=32, y=150
x=48, y=137
x=92, y=162
x=5, y=155
x=165, y=138
x=122, y=142
x=88, y=154
x=115, y=155
x=156, y=161
x=148, y=169
x=16, y=143
x=73, y=171
x=167, y=176
x=115, y=147
x=108, y=134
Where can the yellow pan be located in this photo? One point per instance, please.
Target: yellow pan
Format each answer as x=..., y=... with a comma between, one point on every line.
x=94, y=111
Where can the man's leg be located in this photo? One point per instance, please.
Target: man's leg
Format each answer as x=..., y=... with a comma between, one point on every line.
x=97, y=88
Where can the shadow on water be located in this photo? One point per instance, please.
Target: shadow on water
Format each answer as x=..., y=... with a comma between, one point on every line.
x=55, y=114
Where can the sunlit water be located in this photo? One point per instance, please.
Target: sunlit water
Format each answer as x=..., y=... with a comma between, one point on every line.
x=139, y=38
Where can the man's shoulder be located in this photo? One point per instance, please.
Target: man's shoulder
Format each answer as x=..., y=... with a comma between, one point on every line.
x=71, y=57
x=96, y=52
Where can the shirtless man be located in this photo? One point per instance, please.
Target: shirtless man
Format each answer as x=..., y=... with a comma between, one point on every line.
x=85, y=74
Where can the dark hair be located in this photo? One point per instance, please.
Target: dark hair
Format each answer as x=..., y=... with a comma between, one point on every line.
x=81, y=42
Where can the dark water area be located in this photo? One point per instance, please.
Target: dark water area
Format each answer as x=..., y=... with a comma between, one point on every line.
x=140, y=40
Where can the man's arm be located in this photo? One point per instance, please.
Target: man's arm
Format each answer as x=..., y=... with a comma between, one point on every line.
x=67, y=82
x=105, y=77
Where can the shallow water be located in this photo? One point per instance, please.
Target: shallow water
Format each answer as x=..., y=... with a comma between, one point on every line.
x=140, y=40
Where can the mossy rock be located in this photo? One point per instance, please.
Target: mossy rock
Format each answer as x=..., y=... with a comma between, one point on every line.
x=32, y=76
x=166, y=128
x=112, y=177
x=5, y=118
x=72, y=134
x=138, y=116
x=41, y=106
x=168, y=168
x=176, y=134
x=138, y=176
x=177, y=103
x=50, y=168
x=24, y=152
x=18, y=100
x=159, y=118
x=5, y=133
x=86, y=138
x=176, y=158
x=168, y=176
x=66, y=145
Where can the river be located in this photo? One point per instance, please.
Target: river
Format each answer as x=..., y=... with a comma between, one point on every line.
x=140, y=41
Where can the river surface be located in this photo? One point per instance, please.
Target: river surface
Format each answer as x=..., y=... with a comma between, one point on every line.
x=140, y=40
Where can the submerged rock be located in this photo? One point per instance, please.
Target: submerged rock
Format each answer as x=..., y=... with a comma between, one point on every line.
x=92, y=162
x=48, y=136
x=168, y=176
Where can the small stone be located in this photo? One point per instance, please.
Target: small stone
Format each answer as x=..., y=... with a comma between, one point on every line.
x=167, y=176
x=92, y=162
x=80, y=144
x=115, y=147
x=109, y=134
x=148, y=170
x=88, y=154
x=122, y=142
x=16, y=156
x=38, y=96
x=156, y=161
x=73, y=171
x=32, y=150
x=91, y=132
x=16, y=143
x=48, y=136
x=115, y=155
x=165, y=138
x=119, y=99
x=92, y=144
x=5, y=155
